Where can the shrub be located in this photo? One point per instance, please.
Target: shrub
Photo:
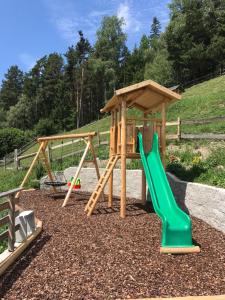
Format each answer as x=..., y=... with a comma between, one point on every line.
x=10, y=139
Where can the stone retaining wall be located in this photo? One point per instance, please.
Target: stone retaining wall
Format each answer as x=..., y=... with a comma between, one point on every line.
x=202, y=201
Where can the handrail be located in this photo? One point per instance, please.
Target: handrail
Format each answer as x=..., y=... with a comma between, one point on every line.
x=9, y=219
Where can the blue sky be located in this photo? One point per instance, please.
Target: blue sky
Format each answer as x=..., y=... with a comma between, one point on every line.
x=29, y=29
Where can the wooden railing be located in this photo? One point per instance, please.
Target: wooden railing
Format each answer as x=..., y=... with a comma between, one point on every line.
x=195, y=136
x=9, y=218
x=100, y=140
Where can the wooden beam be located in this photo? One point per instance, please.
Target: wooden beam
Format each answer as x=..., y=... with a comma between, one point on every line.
x=134, y=97
x=144, y=119
x=111, y=153
x=163, y=133
x=123, y=160
x=152, y=85
x=10, y=192
x=67, y=136
x=31, y=167
x=119, y=130
x=142, y=108
x=143, y=189
x=76, y=175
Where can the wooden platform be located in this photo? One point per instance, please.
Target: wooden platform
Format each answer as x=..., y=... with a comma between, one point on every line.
x=168, y=250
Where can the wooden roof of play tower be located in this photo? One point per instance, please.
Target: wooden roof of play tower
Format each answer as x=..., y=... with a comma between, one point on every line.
x=146, y=96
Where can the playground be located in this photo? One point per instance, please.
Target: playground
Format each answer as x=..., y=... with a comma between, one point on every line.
x=104, y=257
x=100, y=245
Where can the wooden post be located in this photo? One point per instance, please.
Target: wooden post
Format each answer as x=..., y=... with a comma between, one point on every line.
x=48, y=154
x=119, y=131
x=143, y=190
x=98, y=138
x=111, y=153
x=16, y=165
x=163, y=133
x=11, y=230
x=123, y=160
x=4, y=159
x=178, y=129
x=31, y=167
x=76, y=175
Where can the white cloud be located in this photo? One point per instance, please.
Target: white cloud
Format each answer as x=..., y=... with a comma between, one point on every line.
x=67, y=27
x=27, y=60
x=131, y=23
x=62, y=16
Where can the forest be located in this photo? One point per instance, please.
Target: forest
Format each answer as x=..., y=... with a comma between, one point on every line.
x=66, y=91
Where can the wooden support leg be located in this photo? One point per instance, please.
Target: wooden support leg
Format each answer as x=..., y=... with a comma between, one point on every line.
x=48, y=168
x=76, y=175
x=163, y=134
x=31, y=167
x=143, y=190
x=110, y=199
x=123, y=161
x=96, y=165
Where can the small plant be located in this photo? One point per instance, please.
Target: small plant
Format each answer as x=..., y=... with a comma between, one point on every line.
x=196, y=160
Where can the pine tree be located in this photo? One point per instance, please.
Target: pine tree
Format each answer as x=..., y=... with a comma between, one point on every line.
x=155, y=29
x=75, y=74
x=11, y=88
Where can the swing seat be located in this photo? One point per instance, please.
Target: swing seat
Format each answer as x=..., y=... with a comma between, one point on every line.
x=55, y=183
x=59, y=181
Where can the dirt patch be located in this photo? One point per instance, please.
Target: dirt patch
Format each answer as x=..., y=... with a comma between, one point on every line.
x=105, y=257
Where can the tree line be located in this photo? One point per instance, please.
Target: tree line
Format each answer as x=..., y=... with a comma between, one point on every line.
x=65, y=91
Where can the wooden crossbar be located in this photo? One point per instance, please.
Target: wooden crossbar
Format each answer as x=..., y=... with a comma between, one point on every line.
x=67, y=136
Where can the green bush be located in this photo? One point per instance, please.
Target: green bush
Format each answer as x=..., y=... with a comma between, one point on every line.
x=10, y=139
x=45, y=127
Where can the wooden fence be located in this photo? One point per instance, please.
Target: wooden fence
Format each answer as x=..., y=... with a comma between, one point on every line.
x=18, y=156
x=195, y=136
x=204, y=78
x=9, y=219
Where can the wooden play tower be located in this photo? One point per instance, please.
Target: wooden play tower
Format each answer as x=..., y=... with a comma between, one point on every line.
x=150, y=98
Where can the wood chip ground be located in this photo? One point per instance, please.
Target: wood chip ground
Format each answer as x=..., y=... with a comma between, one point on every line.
x=106, y=257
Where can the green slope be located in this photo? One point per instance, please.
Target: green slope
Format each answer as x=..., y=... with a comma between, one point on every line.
x=203, y=100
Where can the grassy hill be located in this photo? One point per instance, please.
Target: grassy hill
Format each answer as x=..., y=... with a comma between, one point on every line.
x=203, y=100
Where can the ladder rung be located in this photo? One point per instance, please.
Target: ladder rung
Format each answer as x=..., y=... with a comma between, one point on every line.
x=101, y=183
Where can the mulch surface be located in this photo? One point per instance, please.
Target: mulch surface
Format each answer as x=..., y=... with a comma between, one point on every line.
x=106, y=257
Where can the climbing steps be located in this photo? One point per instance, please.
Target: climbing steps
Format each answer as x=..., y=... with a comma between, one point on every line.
x=101, y=184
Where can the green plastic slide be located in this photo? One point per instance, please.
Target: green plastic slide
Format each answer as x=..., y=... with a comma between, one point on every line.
x=176, y=224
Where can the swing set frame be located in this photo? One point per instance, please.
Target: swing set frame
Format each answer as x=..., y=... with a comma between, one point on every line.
x=42, y=156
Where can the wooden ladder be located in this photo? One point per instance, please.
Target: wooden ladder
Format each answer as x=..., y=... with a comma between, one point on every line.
x=100, y=186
